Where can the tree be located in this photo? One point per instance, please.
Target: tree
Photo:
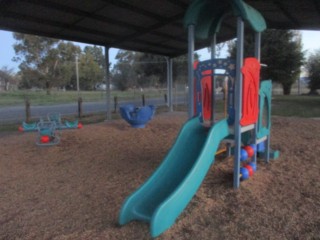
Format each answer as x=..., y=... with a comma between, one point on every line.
x=38, y=56
x=47, y=63
x=90, y=72
x=97, y=54
x=122, y=71
x=281, y=51
x=66, y=72
x=7, y=77
x=136, y=69
x=313, y=67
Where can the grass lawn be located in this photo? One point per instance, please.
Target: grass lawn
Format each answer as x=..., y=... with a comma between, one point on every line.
x=58, y=97
x=286, y=106
x=296, y=106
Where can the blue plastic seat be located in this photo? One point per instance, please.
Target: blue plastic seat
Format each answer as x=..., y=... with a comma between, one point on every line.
x=137, y=117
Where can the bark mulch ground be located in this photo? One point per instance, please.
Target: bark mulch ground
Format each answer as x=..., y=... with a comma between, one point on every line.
x=74, y=190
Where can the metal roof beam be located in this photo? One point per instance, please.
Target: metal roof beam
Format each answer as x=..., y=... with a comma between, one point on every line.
x=4, y=5
x=179, y=3
x=57, y=24
x=317, y=5
x=149, y=29
x=135, y=9
x=32, y=19
x=63, y=8
x=287, y=13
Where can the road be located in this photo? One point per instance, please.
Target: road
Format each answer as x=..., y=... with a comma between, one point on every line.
x=17, y=113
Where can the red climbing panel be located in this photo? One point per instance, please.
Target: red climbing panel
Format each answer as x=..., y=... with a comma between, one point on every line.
x=203, y=94
x=206, y=89
x=250, y=91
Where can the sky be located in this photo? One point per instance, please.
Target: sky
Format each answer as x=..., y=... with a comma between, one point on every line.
x=310, y=40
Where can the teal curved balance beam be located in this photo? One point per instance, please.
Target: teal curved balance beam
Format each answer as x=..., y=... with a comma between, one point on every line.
x=162, y=198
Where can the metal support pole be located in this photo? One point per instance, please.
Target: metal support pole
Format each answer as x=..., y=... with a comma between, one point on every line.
x=190, y=69
x=169, y=83
x=107, y=77
x=79, y=107
x=238, y=103
x=257, y=54
x=213, y=46
x=213, y=80
x=77, y=76
x=257, y=46
x=28, y=112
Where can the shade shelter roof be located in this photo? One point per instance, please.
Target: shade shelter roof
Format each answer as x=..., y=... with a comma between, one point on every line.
x=140, y=25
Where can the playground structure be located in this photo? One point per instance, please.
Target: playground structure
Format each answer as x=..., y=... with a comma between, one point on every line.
x=137, y=117
x=47, y=129
x=51, y=117
x=56, y=118
x=246, y=130
x=47, y=135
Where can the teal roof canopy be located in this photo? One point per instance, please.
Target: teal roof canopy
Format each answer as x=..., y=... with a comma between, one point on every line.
x=207, y=16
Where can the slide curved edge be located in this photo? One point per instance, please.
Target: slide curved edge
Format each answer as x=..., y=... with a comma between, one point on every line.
x=166, y=214
x=127, y=212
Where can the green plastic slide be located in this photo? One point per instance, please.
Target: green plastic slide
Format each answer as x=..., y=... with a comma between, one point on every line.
x=162, y=198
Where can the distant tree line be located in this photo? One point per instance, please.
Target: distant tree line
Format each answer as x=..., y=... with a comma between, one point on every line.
x=281, y=52
x=48, y=63
x=136, y=69
x=313, y=67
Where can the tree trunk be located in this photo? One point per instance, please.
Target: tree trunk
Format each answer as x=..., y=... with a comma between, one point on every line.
x=6, y=86
x=48, y=87
x=286, y=89
x=313, y=92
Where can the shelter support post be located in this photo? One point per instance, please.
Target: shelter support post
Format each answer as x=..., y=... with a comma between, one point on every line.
x=213, y=83
x=257, y=45
x=107, y=77
x=190, y=70
x=257, y=54
x=238, y=102
x=169, y=83
x=213, y=46
x=77, y=76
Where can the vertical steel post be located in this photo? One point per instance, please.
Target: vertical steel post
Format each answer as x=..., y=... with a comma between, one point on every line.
x=190, y=69
x=213, y=80
x=257, y=45
x=257, y=54
x=107, y=77
x=213, y=46
x=238, y=102
x=77, y=76
x=169, y=83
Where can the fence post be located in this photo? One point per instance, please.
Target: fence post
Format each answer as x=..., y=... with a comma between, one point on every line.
x=27, y=110
x=115, y=104
x=143, y=100
x=79, y=107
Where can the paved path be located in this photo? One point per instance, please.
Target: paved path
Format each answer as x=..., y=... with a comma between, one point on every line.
x=17, y=113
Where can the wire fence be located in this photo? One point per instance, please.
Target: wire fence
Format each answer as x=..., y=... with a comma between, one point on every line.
x=13, y=104
x=17, y=110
